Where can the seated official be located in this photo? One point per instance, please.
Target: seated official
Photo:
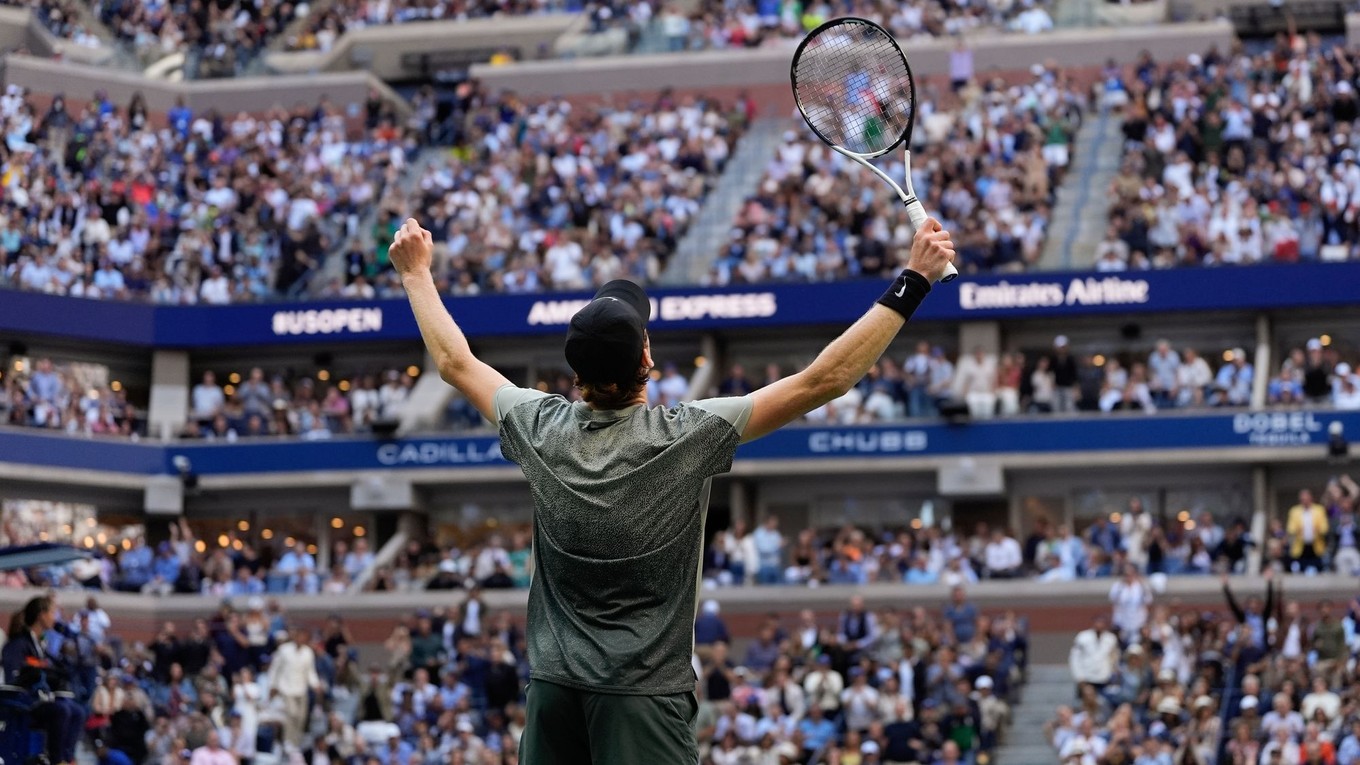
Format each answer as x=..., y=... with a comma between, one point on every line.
x=28, y=665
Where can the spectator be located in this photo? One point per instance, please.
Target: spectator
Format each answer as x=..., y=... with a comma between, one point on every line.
x=858, y=629
x=975, y=381
x=292, y=673
x=709, y=627
x=1232, y=385
x=960, y=615
x=1131, y=597
x=1064, y=366
x=769, y=548
x=1004, y=558
x=1095, y=655
x=1307, y=528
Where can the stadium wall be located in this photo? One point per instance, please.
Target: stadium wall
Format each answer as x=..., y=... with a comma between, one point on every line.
x=407, y=51
x=46, y=77
x=723, y=73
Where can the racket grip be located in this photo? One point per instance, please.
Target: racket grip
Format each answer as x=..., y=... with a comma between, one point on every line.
x=917, y=213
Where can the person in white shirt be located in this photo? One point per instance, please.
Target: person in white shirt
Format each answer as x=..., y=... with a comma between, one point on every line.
x=859, y=701
x=1003, y=556
x=216, y=289
x=1192, y=379
x=1134, y=528
x=565, y=264
x=823, y=686
x=292, y=673
x=359, y=289
x=208, y=398
x=490, y=557
x=1095, y=654
x=1322, y=698
x=1163, y=365
x=975, y=383
x=1130, y=598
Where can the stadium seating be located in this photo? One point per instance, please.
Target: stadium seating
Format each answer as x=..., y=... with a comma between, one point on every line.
x=634, y=176
x=1268, y=682
x=989, y=161
x=1223, y=169
x=219, y=39
x=62, y=19
x=718, y=25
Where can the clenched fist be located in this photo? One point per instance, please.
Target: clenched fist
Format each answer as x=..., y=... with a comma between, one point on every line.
x=412, y=250
x=931, y=251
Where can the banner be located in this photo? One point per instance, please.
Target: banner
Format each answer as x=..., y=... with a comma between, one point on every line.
x=1131, y=433
x=985, y=298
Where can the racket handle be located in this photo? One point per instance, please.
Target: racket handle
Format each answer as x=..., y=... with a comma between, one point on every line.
x=917, y=213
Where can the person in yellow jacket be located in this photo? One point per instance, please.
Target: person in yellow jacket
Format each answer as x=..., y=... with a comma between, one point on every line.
x=1307, y=530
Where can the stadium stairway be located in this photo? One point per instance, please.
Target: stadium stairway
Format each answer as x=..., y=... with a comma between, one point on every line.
x=700, y=244
x=1048, y=686
x=1082, y=211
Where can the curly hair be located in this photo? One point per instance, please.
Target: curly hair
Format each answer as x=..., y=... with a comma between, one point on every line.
x=612, y=395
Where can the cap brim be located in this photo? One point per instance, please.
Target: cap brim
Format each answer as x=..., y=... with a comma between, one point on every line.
x=629, y=293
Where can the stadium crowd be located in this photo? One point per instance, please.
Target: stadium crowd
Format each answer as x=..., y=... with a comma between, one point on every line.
x=548, y=196
x=308, y=406
x=249, y=685
x=218, y=208
x=989, y=158
x=1236, y=158
x=929, y=383
x=1316, y=534
x=77, y=399
x=320, y=405
x=325, y=26
x=60, y=17
x=718, y=24
x=218, y=39
x=102, y=203
x=1271, y=682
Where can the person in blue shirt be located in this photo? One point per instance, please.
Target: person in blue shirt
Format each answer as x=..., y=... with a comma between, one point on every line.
x=709, y=627
x=394, y=752
x=1104, y=535
x=108, y=756
x=816, y=729
x=181, y=118
x=961, y=615
x=300, y=567
x=845, y=570
x=1349, y=751
x=920, y=572
x=164, y=570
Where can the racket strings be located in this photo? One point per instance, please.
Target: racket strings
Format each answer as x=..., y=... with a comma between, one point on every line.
x=854, y=88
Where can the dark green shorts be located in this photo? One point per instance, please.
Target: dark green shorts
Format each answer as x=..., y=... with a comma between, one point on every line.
x=567, y=726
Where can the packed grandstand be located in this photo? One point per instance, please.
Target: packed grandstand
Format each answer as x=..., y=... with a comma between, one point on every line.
x=1122, y=535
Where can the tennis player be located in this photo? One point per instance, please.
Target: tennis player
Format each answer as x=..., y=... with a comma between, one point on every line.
x=620, y=495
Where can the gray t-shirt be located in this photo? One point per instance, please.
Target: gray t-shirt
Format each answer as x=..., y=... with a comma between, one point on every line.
x=620, y=498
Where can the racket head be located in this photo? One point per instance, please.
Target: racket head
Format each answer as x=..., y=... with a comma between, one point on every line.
x=853, y=86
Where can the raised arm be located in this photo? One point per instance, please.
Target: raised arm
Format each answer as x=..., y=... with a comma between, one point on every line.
x=1232, y=601
x=412, y=253
x=848, y=358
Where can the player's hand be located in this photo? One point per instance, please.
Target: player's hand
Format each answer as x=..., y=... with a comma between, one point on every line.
x=412, y=249
x=931, y=251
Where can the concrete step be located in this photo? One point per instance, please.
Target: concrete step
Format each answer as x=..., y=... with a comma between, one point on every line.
x=1026, y=755
x=1041, y=674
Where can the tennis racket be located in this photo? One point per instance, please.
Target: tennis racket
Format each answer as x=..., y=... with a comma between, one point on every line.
x=853, y=86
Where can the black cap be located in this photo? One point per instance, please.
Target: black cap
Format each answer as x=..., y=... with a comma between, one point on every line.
x=605, y=338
